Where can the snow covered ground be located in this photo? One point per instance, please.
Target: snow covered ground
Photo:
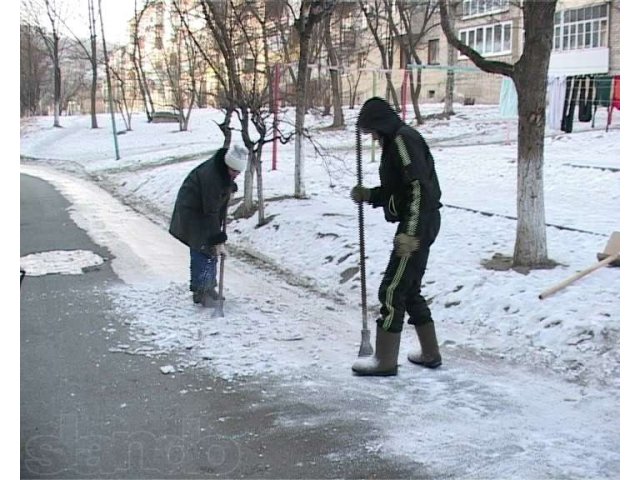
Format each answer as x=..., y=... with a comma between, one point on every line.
x=523, y=380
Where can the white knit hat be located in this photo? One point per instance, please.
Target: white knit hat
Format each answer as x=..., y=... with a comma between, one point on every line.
x=236, y=158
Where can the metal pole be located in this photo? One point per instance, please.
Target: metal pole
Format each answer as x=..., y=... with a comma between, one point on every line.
x=366, y=349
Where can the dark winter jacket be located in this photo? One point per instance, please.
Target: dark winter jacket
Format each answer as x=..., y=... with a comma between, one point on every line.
x=409, y=189
x=201, y=204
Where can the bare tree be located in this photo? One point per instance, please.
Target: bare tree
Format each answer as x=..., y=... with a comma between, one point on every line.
x=37, y=9
x=136, y=57
x=529, y=75
x=353, y=77
x=238, y=30
x=451, y=61
x=124, y=97
x=379, y=23
x=415, y=22
x=94, y=61
x=180, y=69
x=91, y=54
x=207, y=47
x=109, y=90
x=334, y=74
x=33, y=67
x=310, y=14
x=75, y=78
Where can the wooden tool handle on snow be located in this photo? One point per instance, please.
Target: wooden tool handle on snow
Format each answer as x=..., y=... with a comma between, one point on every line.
x=573, y=278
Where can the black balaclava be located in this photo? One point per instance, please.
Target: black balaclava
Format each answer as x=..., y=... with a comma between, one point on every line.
x=377, y=115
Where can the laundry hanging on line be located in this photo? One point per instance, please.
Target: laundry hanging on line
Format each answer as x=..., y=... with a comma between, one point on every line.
x=508, y=99
x=587, y=93
x=556, y=91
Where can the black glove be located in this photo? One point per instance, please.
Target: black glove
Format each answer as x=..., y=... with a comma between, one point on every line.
x=404, y=245
x=360, y=194
x=218, y=238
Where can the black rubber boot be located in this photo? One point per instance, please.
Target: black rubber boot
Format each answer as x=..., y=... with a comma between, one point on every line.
x=429, y=354
x=384, y=362
x=197, y=296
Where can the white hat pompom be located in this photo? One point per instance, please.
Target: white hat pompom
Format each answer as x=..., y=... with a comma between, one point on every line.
x=236, y=158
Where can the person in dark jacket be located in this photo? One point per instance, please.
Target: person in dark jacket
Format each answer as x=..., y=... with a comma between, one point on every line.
x=409, y=194
x=199, y=214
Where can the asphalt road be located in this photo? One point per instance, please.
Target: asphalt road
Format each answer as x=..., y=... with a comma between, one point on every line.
x=86, y=412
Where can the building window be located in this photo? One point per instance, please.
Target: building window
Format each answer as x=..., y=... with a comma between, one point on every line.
x=472, y=8
x=580, y=28
x=249, y=65
x=434, y=52
x=488, y=40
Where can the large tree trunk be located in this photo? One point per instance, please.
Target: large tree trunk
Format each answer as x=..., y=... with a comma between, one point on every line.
x=301, y=90
x=449, y=88
x=530, y=77
x=450, y=82
x=531, y=239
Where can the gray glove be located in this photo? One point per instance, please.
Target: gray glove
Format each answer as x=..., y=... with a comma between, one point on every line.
x=360, y=194
x=404, y=245
x=219, y=250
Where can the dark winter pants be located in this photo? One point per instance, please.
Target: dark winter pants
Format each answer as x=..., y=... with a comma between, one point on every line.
x=203, y=271
x=400, y=287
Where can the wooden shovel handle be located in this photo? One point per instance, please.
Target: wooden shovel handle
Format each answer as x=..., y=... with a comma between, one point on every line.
x=573, y=278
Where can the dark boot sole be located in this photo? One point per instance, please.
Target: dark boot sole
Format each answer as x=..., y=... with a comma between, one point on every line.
x=387, y=373
x=431, y=365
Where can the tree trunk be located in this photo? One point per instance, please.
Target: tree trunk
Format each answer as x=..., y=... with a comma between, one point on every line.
x=258, y=162
x=248, y=186
x=336, y=94
x=299, y=190
x=301, y=89
x=450, y=85
x=94, y=64
x=109, y=90
x=225, y=127
x=391, y=91
x=531, y=239
x=416, y=88
x=530, y=78
x=94, y=85
x=57, y=85
x=529, y=75
x=336, y=84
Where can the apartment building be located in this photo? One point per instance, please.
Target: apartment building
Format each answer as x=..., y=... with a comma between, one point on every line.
x=586, y=41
